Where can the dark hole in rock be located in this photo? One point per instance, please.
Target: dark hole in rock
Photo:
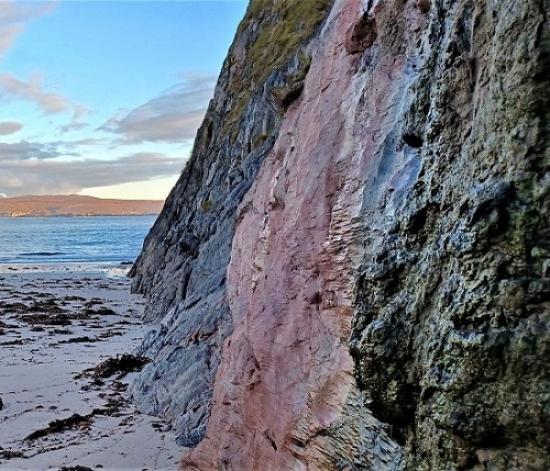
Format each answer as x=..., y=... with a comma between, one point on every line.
x=293, y=94
x=361, y=35
x=412, y=140
x=316, y=298
x=424, y=5
x=417, y=221
x=209, y=132
x=285, y=96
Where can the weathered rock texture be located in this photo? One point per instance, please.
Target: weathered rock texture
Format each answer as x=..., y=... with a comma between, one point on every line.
x=353, y=271
x=451, y=333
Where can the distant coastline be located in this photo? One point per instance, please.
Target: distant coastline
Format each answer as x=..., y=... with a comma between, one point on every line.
x=75, y=206
x=21, y=216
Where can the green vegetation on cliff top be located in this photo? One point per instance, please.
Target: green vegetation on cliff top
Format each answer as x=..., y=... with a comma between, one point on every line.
x=283, y=26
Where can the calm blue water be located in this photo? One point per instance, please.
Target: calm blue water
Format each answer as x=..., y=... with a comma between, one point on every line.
x=72, y=239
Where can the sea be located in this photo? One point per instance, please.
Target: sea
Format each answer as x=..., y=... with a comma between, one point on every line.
x=60, y=240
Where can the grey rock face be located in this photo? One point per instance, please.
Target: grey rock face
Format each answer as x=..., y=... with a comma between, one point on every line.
x=451, y=336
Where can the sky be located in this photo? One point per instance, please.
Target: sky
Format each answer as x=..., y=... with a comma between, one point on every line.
x=104, y=98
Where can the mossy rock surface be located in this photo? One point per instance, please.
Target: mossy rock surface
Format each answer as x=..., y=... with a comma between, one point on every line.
x=276, y=30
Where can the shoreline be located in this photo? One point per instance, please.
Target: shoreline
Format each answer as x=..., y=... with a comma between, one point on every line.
x=114, y=269
x=58, y=322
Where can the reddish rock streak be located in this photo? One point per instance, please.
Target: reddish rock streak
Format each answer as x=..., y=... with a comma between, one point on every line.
x=286, y=372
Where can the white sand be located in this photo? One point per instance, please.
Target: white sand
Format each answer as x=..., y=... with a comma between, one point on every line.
x=37, y=374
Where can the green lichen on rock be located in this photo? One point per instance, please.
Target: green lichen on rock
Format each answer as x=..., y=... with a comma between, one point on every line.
x=452, y=336
x=206, y=205
x=276, y=31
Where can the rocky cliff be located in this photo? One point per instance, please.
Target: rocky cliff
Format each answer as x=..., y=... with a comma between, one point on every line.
x=353, y=271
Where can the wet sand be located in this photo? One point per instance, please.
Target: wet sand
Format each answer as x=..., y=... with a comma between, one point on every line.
x=58, y=409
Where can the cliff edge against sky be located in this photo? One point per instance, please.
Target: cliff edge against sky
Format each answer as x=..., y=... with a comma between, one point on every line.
x=353, y=269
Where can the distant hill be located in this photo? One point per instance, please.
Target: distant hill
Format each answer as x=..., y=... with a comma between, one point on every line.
x=75, y=205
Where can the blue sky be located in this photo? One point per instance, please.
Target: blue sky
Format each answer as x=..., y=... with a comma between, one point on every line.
x=104, y=98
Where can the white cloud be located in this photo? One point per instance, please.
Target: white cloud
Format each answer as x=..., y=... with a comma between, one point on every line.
x=9, y=127
x=172, y=117
x=51, y=176
x=25, y=150
x=33, y=90
x=14, y=17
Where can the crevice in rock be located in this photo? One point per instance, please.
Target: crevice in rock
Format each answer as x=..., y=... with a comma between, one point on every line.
x=361, y=35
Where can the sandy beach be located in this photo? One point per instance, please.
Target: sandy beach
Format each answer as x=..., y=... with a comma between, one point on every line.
x=66, y=335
